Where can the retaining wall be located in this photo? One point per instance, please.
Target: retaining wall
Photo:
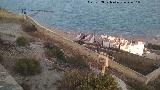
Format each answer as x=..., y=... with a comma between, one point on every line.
x=153, y=75
x=127, y=71
x=7, y=81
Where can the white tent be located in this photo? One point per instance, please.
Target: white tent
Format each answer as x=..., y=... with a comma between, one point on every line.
x=92, y=39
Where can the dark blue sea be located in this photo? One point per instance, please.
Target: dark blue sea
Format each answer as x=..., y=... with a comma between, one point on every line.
x=78, y=15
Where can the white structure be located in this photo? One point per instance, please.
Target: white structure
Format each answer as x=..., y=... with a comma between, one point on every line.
x=78, y=37
x=114, y=42
x=92, y=39
x=89, y=39
x=106, y=44
x=134, y=48
x=111, y=41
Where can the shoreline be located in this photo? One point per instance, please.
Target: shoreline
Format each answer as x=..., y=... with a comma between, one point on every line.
x=72, y=34
x=147, y=39
x=151, y=38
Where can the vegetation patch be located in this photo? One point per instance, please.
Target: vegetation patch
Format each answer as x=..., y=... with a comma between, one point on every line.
x=28, y=27
x=22, y=41
x=153, y=46
x=135, y=62
x=78, y=61
x=28, y=66
x=82, y=80
x=54, y=52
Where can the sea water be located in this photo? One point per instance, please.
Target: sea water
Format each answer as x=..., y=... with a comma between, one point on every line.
x=83, y=16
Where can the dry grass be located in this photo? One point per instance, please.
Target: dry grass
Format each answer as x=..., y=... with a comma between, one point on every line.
x=6, y=16
x=135, y=62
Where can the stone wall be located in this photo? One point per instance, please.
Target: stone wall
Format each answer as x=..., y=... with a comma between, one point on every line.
x=153, y=75
x=7, y=82
x=127, y=71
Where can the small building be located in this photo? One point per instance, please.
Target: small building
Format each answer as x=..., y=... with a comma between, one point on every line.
x=89, y=39
x=136, y=48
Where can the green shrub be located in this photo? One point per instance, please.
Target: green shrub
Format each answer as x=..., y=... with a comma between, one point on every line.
x=28, y=66
x=22, y=41
x=100, y=82
x=80, y=80
x=54, y=51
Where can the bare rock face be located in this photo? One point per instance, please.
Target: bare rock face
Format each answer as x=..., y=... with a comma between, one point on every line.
x=7, y=82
